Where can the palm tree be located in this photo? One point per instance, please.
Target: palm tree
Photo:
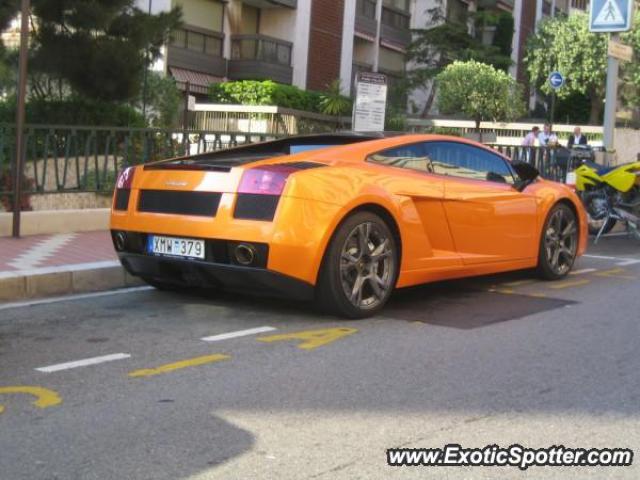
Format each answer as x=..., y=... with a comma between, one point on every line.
x=332, y=102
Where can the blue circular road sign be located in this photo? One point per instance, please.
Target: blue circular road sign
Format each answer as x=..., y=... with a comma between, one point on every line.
x=556, y=80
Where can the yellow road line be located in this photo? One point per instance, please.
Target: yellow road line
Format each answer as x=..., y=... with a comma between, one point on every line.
x=44, y=397
x=569, y=284
x=312, y=338
x=536, y=295
x=170, y=367
x=519, y=283
x=616, y=273
x=505, y=291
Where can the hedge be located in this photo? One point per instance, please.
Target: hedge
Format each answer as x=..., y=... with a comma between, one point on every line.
x=74, y=111
x=267, y=92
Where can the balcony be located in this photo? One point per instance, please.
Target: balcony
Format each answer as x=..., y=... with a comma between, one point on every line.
x=272, y=3
x=496, y=4
x=366, y=18
x=395, y=27
x=200, y=50
x=258, y=57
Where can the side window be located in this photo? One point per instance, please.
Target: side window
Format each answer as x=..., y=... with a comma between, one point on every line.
x=467, y=161
x=413, y=157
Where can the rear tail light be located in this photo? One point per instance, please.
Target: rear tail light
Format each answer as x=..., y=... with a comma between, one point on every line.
x=123, y=189
x=125, y=179
x=260, y=190
x=265, y=180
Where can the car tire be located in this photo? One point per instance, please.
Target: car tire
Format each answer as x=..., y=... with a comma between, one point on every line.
x=360, y=267
x=558, y=243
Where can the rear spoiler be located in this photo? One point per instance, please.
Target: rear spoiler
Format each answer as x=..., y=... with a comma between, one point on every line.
x=230, y=157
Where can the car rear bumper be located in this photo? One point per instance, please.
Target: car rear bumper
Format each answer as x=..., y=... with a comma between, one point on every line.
x=200, y=274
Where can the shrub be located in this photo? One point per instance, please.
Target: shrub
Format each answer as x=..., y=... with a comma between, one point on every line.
x=74, y=111
x=267, y=92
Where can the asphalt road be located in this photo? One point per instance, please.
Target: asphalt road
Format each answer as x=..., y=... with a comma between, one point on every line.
x=494, y=360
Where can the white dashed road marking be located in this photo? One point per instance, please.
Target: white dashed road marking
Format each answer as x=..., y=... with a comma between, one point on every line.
x=83, y=363
x=239, y=333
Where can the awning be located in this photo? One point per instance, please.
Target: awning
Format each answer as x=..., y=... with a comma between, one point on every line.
x=198, y=82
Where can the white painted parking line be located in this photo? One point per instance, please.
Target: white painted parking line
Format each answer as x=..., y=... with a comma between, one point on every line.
x=80, y=296
x=630, y=261
x=239, y=333
x=602, y=257
x=621, y=261
x=583, y=271
x=83, y=363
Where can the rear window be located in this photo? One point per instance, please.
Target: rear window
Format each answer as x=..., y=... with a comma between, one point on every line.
x=307, y=148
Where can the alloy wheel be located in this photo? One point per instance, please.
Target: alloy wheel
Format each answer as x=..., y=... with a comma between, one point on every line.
x=561, y=241
x=367, y=266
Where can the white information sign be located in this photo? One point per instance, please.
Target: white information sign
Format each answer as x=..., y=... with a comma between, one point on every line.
x=371, y=101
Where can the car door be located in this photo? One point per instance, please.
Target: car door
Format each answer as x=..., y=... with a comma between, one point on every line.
x=429, y=245
x=490, y=220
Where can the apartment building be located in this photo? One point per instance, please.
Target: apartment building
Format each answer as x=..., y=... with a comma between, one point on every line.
x=307, y=43
x=310, y=43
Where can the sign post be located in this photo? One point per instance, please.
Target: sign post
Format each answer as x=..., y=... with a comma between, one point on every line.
x=556, y=81
x=611, y=16
x=371, y=101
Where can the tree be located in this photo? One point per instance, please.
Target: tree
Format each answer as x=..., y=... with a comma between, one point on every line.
x=630, y=71
x=98, y=49
x=333, y=103
x=479, y=91
x=565, y=44
x=446, y=39
x=163, y=101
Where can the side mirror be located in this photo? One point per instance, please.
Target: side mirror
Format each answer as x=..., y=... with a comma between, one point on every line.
x=526, y=172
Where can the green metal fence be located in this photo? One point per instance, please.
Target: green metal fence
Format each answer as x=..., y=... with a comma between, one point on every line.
x=62, y=159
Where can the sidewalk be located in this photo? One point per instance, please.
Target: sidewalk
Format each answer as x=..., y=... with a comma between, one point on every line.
x=45, y=265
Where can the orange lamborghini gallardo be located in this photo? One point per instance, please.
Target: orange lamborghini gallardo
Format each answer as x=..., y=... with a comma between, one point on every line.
x=342, y=218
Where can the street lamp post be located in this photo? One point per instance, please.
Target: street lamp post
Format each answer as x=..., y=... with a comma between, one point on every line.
x=20, y=116
x=146, y=75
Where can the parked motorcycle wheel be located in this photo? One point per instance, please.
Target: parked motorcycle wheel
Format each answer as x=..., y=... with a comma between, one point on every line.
x=590, y=200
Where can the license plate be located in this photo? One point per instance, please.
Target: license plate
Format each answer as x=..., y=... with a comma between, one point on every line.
x=175, y=247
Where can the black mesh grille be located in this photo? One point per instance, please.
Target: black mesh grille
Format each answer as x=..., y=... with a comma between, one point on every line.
x=122, y=199
x=253, y=206
x=203, y=204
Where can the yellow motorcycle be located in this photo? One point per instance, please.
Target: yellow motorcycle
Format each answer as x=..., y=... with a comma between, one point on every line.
x=610, y=195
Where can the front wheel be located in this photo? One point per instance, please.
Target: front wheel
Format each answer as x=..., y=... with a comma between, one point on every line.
x=559, y=243
x=360, y=267
x=596, y=206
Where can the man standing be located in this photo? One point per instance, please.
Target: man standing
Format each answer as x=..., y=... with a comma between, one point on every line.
x=547, y=138
x=577, y=138
x=531, y=137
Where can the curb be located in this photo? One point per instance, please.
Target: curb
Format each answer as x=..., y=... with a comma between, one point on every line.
x=64, y=280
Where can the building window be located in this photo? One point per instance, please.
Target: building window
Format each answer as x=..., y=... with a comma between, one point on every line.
x=395, y=19
x=197, y=41
x=397, y=4
x=366, y=8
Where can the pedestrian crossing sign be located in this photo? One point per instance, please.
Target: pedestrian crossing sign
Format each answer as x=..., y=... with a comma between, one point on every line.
x=610, y=15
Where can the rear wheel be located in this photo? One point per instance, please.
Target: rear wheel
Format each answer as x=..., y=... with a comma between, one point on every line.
x=360, y=267
x=559, y=243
